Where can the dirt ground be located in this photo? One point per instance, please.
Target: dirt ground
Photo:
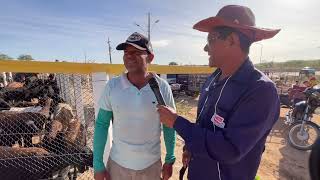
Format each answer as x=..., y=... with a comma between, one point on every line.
x=280, y=160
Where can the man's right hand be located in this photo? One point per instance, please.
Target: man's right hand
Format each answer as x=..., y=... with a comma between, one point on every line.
x=186, y=158
x=104, y=175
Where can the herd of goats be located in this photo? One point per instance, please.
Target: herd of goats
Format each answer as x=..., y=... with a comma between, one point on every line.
x=39, y=133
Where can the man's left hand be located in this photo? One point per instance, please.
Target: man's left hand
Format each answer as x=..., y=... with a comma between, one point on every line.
x=166, y=171
x=168, y=115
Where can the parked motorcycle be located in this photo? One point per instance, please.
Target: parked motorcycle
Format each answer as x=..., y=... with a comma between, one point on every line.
x=295, y=94
x=303, y=133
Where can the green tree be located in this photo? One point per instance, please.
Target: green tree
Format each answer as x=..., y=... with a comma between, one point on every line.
x=25, y=57
x=173, y=64
x=5, y=57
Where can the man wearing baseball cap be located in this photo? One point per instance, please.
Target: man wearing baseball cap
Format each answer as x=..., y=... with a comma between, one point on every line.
x=238, y=104
x=135, y=152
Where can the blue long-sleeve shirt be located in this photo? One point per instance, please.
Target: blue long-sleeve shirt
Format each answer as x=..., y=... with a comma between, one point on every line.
x=247, y=110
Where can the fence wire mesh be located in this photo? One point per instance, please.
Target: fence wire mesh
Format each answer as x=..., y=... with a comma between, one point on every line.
x=46, y=127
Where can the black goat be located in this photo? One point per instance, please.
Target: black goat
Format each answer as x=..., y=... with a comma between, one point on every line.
x=4, y=105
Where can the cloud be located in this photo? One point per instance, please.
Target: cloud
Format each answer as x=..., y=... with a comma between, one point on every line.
x=160, y=43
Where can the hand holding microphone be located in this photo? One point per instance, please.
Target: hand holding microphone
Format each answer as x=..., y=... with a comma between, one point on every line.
x=168, y=115
x=156, y=90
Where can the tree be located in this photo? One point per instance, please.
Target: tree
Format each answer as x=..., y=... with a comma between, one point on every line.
x=173, y=64
x=25, y=57
x=5, y=57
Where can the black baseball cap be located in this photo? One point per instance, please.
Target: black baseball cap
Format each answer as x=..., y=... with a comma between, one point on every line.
x=138, y=41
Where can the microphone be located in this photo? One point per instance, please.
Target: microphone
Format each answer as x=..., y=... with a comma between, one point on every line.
x=155, y=88
x=181, y=172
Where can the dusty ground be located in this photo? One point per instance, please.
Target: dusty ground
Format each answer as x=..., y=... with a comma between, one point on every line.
x=280, y=160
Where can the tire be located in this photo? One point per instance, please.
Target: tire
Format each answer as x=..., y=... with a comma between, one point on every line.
x=293, y=136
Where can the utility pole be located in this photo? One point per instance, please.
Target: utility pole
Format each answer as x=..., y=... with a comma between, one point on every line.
x=85, y=56
x=261, y=47
x=109, y=50
x=149, y=26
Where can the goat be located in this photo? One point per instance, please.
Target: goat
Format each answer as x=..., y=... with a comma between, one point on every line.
x=4, y=105
x=66, y=136
x=31, y=163
x=15, y=126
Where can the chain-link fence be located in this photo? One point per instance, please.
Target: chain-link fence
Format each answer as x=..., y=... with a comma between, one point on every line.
x=47, y=120
x=46, y=127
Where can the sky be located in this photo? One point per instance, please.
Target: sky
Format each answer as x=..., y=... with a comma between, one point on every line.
x=77, y=30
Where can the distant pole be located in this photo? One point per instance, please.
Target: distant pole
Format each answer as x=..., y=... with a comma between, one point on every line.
x=149, y=26
x=261, y=47
x=85, y=56
x=109, y=50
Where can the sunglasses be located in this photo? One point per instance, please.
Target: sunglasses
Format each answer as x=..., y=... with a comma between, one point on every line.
x=212, y=39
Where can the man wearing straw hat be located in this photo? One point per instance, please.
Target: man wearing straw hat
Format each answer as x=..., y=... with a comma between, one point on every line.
x=238, y=104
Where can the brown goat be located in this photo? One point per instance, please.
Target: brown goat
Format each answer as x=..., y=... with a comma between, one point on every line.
x=15, y=126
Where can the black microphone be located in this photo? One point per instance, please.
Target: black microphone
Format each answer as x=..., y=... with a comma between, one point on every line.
x=181, y=172
x=155, y=88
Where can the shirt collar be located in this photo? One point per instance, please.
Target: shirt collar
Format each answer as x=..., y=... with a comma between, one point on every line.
x=241, y=75
x=125, y=83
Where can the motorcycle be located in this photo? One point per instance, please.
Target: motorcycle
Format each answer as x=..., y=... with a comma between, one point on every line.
x=295, y=94
x=303, y=133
